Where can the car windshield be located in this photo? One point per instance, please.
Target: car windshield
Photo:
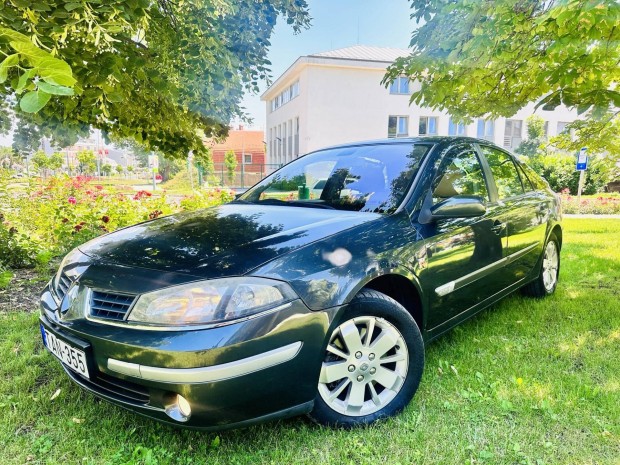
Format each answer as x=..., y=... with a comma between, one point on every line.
x=367, y=178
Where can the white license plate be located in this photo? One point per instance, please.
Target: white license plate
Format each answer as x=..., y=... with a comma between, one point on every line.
x=72, y=357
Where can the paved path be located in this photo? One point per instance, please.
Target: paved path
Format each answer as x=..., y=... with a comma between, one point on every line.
x=589, y=215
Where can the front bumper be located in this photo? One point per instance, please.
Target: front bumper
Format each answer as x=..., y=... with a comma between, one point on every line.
x=232, y=375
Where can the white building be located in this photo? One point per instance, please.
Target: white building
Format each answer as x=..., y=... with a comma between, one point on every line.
x=336, y=97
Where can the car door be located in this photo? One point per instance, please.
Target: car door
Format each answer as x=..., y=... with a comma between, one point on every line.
x=522, y=208
x=460, y=252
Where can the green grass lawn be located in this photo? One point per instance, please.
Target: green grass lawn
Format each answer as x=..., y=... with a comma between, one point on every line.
x=525, y=382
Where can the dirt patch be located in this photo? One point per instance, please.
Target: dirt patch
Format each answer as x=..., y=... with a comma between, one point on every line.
x=22, y=293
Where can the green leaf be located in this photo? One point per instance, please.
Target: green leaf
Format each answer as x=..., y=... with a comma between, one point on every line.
x=32, y=102
x=7, y=63
x=114, y=97
x=54, y=89
x=23, y=80
x=72, y=6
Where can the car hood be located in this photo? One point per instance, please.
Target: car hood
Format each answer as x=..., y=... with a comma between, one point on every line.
x=227, y=240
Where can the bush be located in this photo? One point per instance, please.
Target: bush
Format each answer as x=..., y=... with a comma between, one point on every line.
x=49, y=220
x=559, y=171
x=207, y=198
x=601, y=205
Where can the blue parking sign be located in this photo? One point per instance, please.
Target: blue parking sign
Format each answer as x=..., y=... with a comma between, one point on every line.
x=582, y=159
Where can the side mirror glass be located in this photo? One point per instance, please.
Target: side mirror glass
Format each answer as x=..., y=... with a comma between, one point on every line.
x=460, y=206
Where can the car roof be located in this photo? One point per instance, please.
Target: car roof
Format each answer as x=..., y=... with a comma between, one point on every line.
x=410, y=140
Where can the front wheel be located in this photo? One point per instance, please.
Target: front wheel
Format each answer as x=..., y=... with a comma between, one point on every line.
x=373, y=363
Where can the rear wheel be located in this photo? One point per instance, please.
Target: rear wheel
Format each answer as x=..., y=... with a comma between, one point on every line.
x=372, y=364
x=547, y=280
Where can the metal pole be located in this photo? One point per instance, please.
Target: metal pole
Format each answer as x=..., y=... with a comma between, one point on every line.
x=582, y=177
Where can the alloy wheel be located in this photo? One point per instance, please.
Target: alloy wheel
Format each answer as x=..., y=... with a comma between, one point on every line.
x=365, y=366
x=550, y=266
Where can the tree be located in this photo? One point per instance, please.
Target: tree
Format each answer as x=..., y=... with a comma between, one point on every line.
x=119, y=169
x=168, y=166
x=230, y=161
x=204, y=161
x=87, y=161
x=26, y=139
x=163, y=73
x=490, y=59
x=535, y=137
x=56, y=160
x=130, y=169
x=41, y=162
x=107, y=169
x=8, y=157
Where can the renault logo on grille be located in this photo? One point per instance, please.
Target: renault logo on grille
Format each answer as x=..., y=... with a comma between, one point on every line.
x=68, y=299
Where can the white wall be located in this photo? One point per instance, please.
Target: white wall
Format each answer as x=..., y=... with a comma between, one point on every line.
x=341, y=104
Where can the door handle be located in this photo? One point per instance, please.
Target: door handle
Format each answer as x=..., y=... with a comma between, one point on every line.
x=498, y=227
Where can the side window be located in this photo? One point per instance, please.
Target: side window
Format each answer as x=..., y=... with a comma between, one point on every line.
x=504, y=172
x=528, y=185
x=539, y=183
x=460, y=173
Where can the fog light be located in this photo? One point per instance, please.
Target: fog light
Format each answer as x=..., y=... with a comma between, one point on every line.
x=178, y=409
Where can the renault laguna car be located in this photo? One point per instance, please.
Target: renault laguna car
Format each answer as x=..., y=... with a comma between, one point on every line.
x=314, y=292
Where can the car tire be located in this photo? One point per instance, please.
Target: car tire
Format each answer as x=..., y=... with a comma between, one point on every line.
x=365, y=378
x=547, y=280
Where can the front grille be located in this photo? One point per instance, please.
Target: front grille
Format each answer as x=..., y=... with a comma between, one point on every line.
x=117, y=388
x=109, y=305
x=63, y=285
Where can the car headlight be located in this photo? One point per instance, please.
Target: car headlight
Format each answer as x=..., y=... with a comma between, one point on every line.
x=210, y=301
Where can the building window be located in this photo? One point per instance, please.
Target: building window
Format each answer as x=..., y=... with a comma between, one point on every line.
x=284, y=139
x=290, y=139
x=247, y=158
x=512, y=133
x=427, y=126
x=285, y=96
x=456, y=129
x=546, y=129
x=562, y=127
x=486, y=129
x=398, y=126
x=296, y=149
x=400, y=86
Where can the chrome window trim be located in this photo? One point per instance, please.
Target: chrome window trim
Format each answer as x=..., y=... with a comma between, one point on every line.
x=208, y=374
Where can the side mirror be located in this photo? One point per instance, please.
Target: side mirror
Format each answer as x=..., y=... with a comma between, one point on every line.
x=461, y=206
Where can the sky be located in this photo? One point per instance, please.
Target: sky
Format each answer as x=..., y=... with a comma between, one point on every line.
x=335, y=24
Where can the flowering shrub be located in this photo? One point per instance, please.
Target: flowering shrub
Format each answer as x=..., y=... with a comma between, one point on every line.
x=65, y=212
x=207, y=198
x=604, y=204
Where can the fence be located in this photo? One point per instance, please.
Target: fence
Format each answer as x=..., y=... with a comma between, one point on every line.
x=245, y=175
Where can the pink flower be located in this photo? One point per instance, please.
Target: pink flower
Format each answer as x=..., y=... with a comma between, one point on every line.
x=72, y=200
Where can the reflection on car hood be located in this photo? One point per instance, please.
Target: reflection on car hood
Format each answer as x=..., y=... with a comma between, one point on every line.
x=227, y=240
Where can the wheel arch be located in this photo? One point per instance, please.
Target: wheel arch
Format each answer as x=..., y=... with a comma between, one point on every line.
x=403, y=290
x=557, y=230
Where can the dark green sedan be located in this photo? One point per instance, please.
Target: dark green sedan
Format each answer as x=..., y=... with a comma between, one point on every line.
x=314, y=292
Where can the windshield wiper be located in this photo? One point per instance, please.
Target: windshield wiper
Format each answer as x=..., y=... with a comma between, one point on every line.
x=296, y=203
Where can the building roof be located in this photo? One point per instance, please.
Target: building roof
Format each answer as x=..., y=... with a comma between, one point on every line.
x=238, y=140
x=357, y=56
x=365, y=53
